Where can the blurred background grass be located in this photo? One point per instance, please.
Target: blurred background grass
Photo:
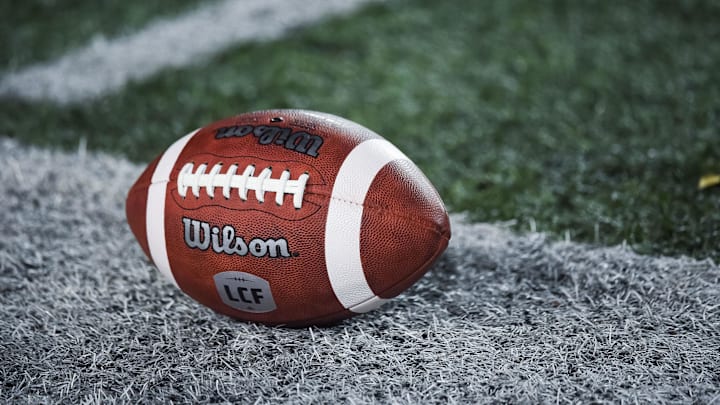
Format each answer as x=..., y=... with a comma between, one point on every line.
x=36, y=30
x=591, y=120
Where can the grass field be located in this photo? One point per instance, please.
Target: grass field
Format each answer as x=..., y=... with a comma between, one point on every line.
x=591, y=120
x=36, y=30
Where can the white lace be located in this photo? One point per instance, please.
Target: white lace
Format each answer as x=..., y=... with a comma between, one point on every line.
x=261, y=183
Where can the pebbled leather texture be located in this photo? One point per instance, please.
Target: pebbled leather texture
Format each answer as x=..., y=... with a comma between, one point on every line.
x=404, y=224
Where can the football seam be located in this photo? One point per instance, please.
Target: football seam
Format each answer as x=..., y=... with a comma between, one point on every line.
x=383, y=209
x=386, y=211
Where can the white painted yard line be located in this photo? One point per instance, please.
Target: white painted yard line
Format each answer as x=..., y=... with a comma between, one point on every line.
x=104, y=66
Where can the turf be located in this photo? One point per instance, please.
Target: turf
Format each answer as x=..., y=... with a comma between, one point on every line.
x=501, y=318
x=35, y=30
x=591, y=120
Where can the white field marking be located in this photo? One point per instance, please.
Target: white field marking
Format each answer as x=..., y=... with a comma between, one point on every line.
x=104, y=66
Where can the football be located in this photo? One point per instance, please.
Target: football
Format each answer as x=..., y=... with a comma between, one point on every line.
x=287, y=217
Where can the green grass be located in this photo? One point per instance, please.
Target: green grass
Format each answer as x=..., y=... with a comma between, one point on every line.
x=594, y=119
x=35, y=30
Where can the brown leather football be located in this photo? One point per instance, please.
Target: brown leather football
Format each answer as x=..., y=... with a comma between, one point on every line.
x=287, y=217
